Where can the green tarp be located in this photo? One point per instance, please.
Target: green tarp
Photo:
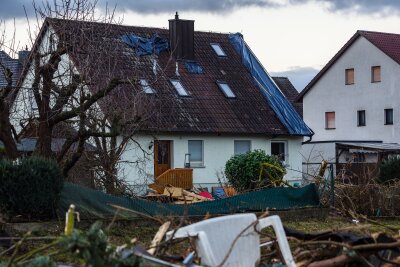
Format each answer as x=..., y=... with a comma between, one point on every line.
x=95, y=204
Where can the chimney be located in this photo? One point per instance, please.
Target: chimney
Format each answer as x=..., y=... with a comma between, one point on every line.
x=23, y=55
x=181, y=38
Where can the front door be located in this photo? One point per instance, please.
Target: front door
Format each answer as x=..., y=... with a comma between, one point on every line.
x=162, y=157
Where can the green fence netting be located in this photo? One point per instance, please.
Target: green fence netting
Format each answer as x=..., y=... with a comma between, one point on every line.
x=95, y=204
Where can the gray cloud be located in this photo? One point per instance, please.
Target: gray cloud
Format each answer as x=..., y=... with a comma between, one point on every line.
x=14, y=8
x=223, y=6
x=299, y=76
x=362, y=6
x=212, y=6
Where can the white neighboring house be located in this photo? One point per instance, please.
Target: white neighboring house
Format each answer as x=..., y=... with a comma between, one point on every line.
x=353, y=103
x=220, y=108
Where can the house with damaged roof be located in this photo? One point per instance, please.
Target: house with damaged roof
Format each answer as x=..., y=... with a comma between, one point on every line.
x=353, y=103
x=199, y=97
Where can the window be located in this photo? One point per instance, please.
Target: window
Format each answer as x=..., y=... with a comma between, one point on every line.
x=242, y=146
x=376, y=74
x=146, y=87
x=329, y=120
x=361, y=118
x=195, y=149
x=226, y=89
x=218, y=50
x=349, y=76
x=278, y=149
x=388, y=116
x=179, y=88
x=358, y=157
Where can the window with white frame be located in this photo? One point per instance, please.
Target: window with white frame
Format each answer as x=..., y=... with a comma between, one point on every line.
x=179, y=88
x=278, y=149
x=196, y=153
x=226, y=89
x=146, y=87
x=218, y=49
x=242, y=146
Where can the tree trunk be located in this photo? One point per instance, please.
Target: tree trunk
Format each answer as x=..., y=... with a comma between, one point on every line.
x=110, y=181
x=6, y=134
x=43, y=147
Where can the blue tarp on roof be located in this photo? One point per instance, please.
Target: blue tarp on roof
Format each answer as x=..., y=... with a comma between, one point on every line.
x=283, y=109
x=194, y=67
x=146, y=46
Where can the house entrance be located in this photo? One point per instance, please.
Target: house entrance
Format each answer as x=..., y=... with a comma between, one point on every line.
x=162, y=156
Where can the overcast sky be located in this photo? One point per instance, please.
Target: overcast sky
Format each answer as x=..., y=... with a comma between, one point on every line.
x=293, y=38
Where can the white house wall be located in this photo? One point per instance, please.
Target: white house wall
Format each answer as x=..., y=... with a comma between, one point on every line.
x=25, y=107
x=217, y=150
x=331, y=94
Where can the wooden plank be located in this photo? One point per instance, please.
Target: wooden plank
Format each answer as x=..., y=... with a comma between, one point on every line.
x=158, y=237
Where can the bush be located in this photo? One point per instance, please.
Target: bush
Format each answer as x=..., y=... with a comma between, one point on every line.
x=242, y=171
x=30, y=187
x=389, y=170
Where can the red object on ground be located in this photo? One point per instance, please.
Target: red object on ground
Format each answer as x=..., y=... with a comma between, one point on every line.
x=206, y=194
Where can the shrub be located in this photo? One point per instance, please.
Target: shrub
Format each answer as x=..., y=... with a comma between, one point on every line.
x=389, y=170
x=242, y=171
x=30, y=187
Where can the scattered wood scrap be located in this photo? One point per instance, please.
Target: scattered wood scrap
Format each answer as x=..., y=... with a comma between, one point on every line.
x=158, y=237
x=176, y=195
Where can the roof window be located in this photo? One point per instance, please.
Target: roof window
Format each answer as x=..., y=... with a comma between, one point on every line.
x=179, y=88
x=146, y=87
x=226, y=89
x=218, y=49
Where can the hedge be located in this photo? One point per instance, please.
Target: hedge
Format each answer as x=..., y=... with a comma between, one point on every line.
x=30, y=187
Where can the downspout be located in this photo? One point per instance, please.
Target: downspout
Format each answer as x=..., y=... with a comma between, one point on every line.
x=309, y=140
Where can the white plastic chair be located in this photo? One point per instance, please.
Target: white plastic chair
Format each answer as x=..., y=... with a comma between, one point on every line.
x=216, y=237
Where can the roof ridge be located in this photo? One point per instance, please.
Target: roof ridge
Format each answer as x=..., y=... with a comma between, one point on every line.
x=365, y=31
x=7, y=55
x=107, y=23
x=128, y=26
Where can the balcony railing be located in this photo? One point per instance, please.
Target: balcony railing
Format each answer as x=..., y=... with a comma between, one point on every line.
x=181, y=177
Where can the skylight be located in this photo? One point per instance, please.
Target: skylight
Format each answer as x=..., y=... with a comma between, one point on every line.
x=218, y=50
x=226, y=90
x=146, y=87
x=179, y=88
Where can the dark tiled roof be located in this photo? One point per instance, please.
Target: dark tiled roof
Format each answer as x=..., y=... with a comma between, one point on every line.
x=207, y=110
x=290, y=92
x=29, y=145
x=389, y=43
x=13, y=64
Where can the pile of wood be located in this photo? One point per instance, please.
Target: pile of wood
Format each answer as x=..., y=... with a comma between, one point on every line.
x=175, y=195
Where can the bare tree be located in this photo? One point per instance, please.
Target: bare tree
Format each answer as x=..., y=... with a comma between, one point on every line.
x=77, y=86
x=55, y=90
x=6, y=129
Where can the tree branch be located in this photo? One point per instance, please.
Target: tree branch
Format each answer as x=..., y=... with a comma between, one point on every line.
x=65, y=115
